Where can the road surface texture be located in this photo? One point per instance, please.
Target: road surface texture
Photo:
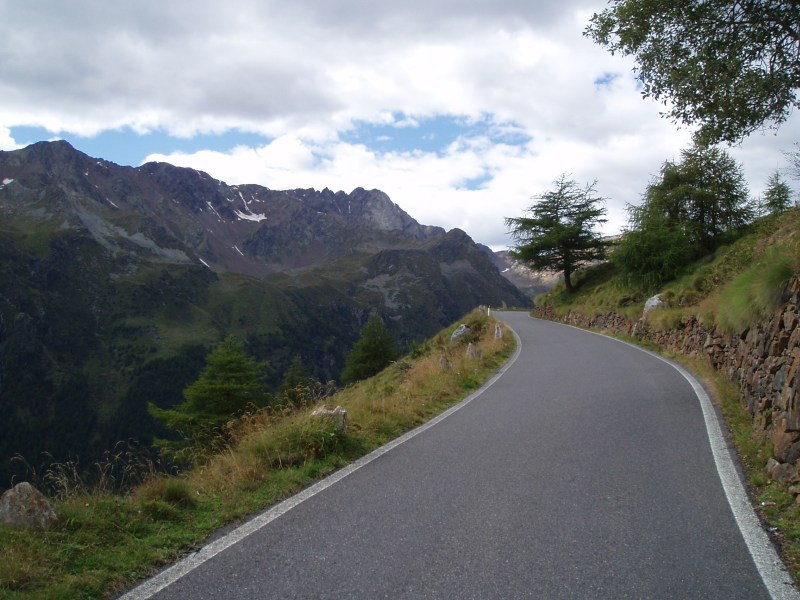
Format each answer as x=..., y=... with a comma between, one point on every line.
x=583, y=471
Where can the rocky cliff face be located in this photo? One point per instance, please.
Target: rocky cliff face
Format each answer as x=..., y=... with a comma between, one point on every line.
x=531, y=282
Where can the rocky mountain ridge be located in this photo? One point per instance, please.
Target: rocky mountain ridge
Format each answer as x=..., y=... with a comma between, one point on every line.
x=181, y=215
x=530, y=282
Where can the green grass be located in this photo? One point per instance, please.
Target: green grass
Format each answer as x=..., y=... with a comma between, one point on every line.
x=755, y=292
x=104, y=542
x=598, y=289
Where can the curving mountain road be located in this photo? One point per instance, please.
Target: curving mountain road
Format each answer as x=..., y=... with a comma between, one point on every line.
x=583, y=471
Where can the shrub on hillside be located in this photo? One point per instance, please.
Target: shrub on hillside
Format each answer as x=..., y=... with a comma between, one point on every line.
x=373, y=352
x=230, y=384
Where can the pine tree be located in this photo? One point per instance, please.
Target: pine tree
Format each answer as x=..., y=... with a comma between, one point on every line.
x=296, y=383
x=230, y=383
x=372, y=353
x=777, y=196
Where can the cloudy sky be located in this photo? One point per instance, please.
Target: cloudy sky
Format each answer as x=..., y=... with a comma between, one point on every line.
x=460, y=110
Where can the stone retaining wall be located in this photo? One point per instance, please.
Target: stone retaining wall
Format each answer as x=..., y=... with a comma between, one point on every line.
x=763, y=359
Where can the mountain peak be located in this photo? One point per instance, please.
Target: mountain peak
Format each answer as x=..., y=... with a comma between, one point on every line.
x=247, y=229
x=377, y=210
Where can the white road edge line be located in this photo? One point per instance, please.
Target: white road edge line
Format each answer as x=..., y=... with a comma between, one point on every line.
x=158, y=582
x=773, y=572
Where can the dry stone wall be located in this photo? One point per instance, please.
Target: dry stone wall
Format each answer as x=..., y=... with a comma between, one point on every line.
x=763, y=359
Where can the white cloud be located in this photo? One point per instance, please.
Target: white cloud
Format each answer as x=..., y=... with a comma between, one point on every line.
x=272, y=67
x=432, y=186
x=6, y=141
x=306, y=73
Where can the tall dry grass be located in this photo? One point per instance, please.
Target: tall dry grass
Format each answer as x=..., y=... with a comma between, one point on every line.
x=405, y=394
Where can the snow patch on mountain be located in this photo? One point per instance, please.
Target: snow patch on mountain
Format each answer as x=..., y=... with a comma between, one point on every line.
x=250, y=216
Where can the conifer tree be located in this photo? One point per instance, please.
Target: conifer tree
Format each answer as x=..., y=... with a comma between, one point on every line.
x=559, y=234
x=777, y=196
x=296, y=382
x=694, y=206
x=705, y=195
x=373, y=352
x=230, y=383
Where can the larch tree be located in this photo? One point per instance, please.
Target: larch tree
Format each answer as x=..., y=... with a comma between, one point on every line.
x=705, y=194
x=694, y=206
x=558, y=233
x=230, y=383
x=297, y=385
x=778, y=195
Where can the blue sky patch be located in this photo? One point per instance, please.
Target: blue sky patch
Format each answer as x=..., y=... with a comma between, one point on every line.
x=429, y=134
x=476, y=183
x=606, y=79
x=406, y=134
x=125, y=147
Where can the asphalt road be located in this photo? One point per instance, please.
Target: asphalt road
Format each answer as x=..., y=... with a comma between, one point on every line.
x=584, y=471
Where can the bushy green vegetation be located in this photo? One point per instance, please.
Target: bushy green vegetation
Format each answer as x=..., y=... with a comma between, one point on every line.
x=106, y=540
x=754, y=293
x=732, y=286
x=695, y=240
x=373, y=351
x=692, y=208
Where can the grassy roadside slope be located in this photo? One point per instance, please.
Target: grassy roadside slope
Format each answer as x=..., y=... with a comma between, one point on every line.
x=104, y=542
x=733, y=287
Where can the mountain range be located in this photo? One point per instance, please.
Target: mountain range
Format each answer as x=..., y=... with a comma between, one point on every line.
x=116, y=281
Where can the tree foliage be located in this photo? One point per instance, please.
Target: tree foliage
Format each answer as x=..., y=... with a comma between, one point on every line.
x=231, y=382
x=777, y=196
x=705, y=195
x=559, y=233
x=693, y=207
x=372, y=353
x=654, y=251
x=730, y=66
x=297, y=386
